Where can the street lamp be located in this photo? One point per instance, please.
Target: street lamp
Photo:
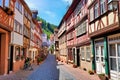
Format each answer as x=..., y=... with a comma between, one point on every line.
x=113, y=5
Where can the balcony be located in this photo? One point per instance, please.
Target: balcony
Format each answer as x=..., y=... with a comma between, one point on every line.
x=6, y=20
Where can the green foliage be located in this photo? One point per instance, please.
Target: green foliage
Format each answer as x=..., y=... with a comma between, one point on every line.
x=51, y=48
x=47, y=27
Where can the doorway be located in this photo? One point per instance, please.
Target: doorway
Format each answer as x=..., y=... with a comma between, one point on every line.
x=74, y=56
x=11, y=57
x=100, y=62
x=78, y=57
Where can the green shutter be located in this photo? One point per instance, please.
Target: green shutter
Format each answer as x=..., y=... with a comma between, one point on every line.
x=93, y=53
x=106, y=56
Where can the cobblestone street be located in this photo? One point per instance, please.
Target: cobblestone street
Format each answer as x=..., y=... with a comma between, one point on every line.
x=50, y=69
x=20, y=75
x=46, y=71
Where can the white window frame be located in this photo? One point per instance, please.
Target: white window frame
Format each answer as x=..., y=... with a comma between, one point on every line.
x=102, y=6
x=88, y=58
x=82, y=51
x=96, y=10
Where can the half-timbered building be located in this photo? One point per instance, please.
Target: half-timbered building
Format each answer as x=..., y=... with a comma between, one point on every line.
x=104, y=31
x=62, y=41
x=6, y=26
x=82, y=51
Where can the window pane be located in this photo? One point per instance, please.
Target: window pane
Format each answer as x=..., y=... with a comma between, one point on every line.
x=91, y=14
x=96, y=10
x=102, y=50
x=112, y=50
x=97, y=58
x=7, y=3
x=82, y=53
x=97, y=50
x=113, y=64
x=1, y=3
x=119, y=64
x=119, y=50
x=16, y=4
x=102, y=59
x=20, y=7
x=102, y=6
x=88, y=53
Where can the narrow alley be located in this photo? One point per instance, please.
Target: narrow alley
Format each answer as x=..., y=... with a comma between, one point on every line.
x=50, y=69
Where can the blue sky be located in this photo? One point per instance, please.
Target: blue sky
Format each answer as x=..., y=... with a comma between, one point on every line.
x=50, y=10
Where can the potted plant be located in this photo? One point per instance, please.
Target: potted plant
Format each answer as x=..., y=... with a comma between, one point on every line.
x=39, y=59
x=90, y=72
x=102, y=76
x=74, y=66
x=8, y=10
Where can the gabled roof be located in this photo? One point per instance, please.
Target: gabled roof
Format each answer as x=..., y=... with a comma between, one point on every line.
x=69, y=11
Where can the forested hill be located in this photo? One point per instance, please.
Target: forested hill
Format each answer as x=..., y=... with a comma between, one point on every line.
x=47, y=27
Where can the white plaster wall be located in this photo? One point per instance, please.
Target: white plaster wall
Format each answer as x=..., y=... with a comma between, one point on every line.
x=17, y=39
x=19, y=16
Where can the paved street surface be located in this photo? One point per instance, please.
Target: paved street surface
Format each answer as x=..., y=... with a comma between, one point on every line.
x=46, y=71
x=67, y=72
x=50, y=69
x=20, y=75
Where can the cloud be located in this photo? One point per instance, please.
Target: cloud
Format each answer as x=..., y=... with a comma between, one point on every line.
x=49, y=13
x=67, y=1
x=31, y=5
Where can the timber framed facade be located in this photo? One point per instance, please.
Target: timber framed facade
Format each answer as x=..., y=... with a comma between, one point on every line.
x=104, y=33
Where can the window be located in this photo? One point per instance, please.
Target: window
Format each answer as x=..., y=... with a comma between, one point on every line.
x=113, y=61
x=70, y=36
x=22, y=51
x=112, y=50
x=91, y=14
x=88, y=52
x=25, y=13
x=81, y=29
x=102, y=6
x=18, y=27
x=7, y=3
x=26, y=31
x=102, y=53
x=113, y=64
x=1, y=2
x=82, y=53
x=18, y=5
x=17, y=53
x=96, y=10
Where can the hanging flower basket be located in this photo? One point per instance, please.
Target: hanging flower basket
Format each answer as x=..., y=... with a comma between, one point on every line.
x=8, y=10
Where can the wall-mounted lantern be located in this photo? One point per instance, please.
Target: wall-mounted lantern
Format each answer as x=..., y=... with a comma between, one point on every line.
x=113, y=5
